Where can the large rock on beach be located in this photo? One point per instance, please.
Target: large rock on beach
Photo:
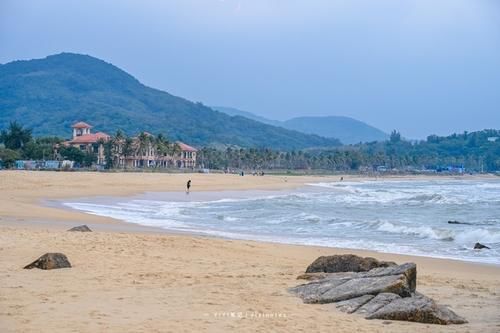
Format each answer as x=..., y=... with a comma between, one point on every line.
x=387, y=293
x=399, y=280
x=50, y=261
x=418, y=308
x=345, y=263
x=81, y=228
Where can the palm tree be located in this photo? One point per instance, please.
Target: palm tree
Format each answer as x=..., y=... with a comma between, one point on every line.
x=128, y=149
x=144, y=141
x=16, y=137
x=175, y=150
x=162, y=146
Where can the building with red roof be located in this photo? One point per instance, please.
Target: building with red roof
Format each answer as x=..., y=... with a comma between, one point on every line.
x=87, y=141
x=142, y=152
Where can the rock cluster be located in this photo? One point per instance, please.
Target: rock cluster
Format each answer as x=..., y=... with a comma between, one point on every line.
x=50, y=261
x=385, y=292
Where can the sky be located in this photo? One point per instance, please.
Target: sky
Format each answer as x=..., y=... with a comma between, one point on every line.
x=418, y=66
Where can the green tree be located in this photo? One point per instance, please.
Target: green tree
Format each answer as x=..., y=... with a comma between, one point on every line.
x=73, y=154
x=8, y=157
x=15, y=137
x=395, y=136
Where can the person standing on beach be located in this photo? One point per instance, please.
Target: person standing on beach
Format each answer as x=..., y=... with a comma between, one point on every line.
x=188, y=186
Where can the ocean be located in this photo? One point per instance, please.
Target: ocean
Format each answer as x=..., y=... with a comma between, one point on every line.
x=405, y=217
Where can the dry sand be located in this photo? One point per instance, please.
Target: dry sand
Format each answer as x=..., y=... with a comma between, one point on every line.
x=150, y=282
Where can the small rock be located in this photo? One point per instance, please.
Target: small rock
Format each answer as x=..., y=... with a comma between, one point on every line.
x=479, y=246
x=345, y=263
x=81, y=228
x=50, y=261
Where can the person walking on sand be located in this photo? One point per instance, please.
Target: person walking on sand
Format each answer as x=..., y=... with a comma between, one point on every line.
x=188, y=186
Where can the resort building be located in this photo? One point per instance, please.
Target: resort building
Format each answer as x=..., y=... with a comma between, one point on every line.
x=142, y=151
x=84, y=140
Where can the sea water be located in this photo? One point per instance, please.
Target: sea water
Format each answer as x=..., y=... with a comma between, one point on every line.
x=406, y=217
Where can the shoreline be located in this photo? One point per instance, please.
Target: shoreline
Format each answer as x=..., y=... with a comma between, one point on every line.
x=125, y=279
x=110, y=224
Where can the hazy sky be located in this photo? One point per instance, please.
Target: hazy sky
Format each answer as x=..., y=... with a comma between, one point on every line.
x=420, y=66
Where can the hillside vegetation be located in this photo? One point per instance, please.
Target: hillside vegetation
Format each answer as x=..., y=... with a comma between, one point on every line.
x=48, y=95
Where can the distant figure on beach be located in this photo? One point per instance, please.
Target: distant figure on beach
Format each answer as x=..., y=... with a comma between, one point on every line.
x=341, y=178
x=188, y=186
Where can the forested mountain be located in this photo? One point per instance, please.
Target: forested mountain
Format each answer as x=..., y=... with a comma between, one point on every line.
x=347, y=130
x=48, y=95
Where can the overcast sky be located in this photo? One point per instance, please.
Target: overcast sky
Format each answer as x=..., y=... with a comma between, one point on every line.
x=419, y=66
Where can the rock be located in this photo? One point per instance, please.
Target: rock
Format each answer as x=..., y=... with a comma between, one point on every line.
x=81, y=228
x=353, y=304
x=50, y=261
x=479, y=246
x=336, y=287
x=376, y=303
x=409, y=270
x=345, y=263
x=418, y=308
x=458, y=222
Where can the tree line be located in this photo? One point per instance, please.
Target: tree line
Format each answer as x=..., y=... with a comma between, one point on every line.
x=476, y=151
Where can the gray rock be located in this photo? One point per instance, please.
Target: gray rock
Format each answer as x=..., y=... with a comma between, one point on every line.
x=81, y=228
x=338, y=287
x=351, y=305
x=418, y=308
x=376, y=303
x=479, y=246
x=345, y=263
x=50, y=261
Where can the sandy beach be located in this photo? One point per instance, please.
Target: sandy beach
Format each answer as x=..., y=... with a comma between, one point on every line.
x=131, y=279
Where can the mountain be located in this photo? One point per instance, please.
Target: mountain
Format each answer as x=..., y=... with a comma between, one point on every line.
x=249, y=115
x=347, y=130
x=50, y=94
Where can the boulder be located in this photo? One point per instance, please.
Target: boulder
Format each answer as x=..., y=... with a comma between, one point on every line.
x=50, y=261
x=418, y=308
x=336, y=287
x=353, y=304
x=81, y=228
x=479, y=246
x=345, y=263
x=381, y=293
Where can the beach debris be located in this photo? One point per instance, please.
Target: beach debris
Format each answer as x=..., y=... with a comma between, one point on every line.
x=479, y=246
x=387, y=293
x=81, y=228
x=345, y=263
x=50, y=261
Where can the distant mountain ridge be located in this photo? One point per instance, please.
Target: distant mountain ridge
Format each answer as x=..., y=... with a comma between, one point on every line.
x=50, y=94
x=346, y=129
